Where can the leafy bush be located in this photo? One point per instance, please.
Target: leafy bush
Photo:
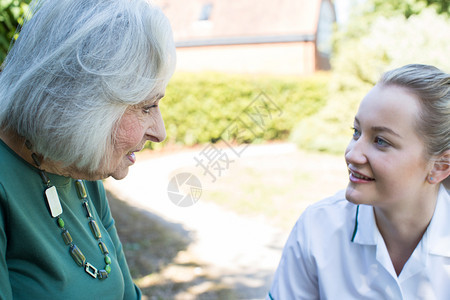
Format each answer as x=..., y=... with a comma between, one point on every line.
x=389, y=43
x=10, y=17
x=198, y=107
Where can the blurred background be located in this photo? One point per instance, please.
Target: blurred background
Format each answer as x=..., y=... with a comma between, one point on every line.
x=259, y=113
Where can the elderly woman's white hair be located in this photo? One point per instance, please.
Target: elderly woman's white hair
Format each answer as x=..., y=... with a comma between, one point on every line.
x=75, y=68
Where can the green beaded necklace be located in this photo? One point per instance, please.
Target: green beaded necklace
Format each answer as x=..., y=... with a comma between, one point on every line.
x=54, y=206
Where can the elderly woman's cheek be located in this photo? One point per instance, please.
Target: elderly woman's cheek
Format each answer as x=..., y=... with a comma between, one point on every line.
x=129, y=134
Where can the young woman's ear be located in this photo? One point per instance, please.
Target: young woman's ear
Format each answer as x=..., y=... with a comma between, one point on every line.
x=441, y=169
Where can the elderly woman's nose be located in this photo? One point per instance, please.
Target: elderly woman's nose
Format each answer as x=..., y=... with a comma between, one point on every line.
x=156, y=132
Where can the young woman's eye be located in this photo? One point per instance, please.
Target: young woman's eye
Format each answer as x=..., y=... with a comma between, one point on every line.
x=356, y=133
x=381, y=142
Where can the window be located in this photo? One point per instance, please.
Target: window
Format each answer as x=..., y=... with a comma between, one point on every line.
x=325, y=28
x=205, y=13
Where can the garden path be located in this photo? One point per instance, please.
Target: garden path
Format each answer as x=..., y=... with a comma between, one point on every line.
x=242, y=252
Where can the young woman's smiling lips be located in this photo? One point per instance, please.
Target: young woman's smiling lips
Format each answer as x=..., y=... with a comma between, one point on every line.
x=358, y=177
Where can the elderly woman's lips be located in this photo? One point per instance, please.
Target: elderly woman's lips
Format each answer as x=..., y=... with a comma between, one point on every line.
x=131, y=157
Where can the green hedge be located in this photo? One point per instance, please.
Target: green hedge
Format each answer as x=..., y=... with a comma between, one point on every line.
x=200, y=107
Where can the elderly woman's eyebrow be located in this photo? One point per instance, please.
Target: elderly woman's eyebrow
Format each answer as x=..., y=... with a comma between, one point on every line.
x=155, y=97
x=151, y=100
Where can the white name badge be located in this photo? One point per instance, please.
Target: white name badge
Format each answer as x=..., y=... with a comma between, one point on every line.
x=53, y=201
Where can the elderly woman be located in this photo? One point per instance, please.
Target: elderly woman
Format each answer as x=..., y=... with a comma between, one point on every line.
x=79, y=95
x=387, y=235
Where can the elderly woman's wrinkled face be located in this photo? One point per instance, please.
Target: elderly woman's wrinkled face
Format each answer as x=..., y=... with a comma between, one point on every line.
x=140, y=123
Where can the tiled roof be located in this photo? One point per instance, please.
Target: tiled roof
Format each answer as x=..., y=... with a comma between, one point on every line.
x=241, y=19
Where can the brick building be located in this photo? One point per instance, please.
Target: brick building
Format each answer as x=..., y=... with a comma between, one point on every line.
x=252, y=36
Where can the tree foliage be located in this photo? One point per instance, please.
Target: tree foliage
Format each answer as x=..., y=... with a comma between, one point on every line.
x=11, y=12
x=407, y=7
x=381, y=35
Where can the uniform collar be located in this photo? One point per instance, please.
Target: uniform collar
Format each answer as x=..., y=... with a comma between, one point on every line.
x=365, y=232
x=439, y=229
x=437, y=234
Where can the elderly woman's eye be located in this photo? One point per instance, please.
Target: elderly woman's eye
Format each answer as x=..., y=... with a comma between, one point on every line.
x=147, y=109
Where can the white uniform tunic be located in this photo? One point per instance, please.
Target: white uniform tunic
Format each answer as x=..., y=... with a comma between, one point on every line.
x=335, y=251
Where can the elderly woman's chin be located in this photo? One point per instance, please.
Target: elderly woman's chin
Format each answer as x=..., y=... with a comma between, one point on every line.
x=120, y=173
x=109, y=168
x=117, y=171
x=121, y=169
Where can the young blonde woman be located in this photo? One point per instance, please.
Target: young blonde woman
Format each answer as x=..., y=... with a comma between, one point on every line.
x=387, y=236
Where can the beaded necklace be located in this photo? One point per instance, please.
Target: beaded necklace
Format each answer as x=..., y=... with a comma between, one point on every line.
x=55, y=208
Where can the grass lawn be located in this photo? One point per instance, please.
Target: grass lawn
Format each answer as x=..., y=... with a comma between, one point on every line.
x=276, y=187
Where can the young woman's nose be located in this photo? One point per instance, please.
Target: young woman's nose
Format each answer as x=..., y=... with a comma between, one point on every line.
x=355, y=153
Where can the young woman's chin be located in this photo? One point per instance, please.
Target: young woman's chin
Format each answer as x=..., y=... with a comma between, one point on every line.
x=354, y=194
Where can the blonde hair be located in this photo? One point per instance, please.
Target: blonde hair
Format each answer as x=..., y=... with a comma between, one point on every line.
x=75, y=68
x=432, y=87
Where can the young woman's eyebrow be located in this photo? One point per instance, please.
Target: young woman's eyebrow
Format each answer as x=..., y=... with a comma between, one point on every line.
x=385, y=129
x=381, y=129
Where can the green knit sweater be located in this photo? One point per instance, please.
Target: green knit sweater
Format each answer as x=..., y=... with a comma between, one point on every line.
x=34, y=260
